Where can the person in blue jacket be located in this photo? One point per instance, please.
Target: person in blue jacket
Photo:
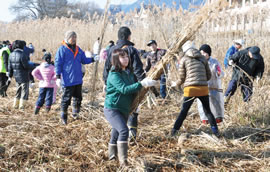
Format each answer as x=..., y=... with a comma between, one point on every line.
x=232, y=50
x=68, y=67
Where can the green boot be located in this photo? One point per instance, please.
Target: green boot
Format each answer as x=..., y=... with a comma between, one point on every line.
x=112, y=151
x=122, y=148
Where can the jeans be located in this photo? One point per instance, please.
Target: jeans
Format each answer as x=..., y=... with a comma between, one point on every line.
x=186, y=106
x=118, y=122
x=74, y=92
x=45, y=95
x=246, y=88
x=22, y=90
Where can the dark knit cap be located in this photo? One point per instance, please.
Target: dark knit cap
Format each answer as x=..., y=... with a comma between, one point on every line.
x=123, y=33
x=206, y=48
x=255, y=51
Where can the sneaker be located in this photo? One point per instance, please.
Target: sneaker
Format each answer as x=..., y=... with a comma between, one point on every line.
x=174, y=132
x=215, y=131
x=205, y=122
x=219, y=120
x=75, y=116
x=64, y=121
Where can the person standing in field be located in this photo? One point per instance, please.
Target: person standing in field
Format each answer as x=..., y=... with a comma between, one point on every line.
x=19, y=67
x=248, y=64
x=96, y=47
x=152, y=58
x=215, y=88
x=194, y=74
x=124, y=37
x=122, y=87
x=237, y=45
x=46, y=75
x=68, y=67
x=4, y=56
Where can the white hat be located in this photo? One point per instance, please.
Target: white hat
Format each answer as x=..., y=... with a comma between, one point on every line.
x=239, y=41
x=188, y=45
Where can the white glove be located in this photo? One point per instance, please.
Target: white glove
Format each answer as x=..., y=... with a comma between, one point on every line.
x=7, y=74
x=147, y=82
x=231, y=62
x=104, y=88
x=58, y=82
x=88, y=54
x=96, y=58
x=173, y=84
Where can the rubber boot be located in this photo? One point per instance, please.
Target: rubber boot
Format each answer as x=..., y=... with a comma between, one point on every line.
x=132, y=125
x=16, y=103
x=36, y=110
x=47, y=109
x=64, y=117
x=22, y=104
x=122, y=147
x=112, y=151
x=75, y=112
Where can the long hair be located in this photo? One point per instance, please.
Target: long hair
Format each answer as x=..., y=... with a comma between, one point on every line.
x=116, y=54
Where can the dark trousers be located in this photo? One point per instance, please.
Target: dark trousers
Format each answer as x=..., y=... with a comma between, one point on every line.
x=118, y=122
x=45, y=95
x=22, y=90
x=246, y=88
x=186, y=106
x=3, y=83
x=74, y=92
x=163, y=86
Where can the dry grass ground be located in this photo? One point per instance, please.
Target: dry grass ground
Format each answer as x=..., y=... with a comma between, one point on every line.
x=41, y=143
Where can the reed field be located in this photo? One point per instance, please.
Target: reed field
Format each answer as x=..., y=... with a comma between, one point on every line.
x=31, y=142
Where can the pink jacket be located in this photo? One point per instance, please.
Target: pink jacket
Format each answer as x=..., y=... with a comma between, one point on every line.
x=45, y=74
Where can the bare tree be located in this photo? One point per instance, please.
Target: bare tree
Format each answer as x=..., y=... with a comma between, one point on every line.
x=39, y=9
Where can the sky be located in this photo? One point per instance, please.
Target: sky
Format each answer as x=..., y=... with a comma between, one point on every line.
x=7, y=16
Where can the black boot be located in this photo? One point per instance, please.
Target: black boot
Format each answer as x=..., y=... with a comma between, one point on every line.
x=64, y=117
x=36, y=110
x=132, y=125
x=47, y=109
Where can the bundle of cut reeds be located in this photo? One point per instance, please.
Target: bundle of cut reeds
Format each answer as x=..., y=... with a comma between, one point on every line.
x=186, y=34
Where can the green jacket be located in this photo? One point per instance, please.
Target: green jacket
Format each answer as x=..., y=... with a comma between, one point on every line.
x=121, y=91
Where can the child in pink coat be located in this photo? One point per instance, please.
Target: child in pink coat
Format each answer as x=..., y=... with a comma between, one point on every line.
x=46, y=76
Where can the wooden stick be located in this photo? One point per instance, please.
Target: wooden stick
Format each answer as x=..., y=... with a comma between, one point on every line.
x=95, y=74
x=186, y=34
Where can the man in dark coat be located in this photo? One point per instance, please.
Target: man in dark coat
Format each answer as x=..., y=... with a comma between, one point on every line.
x=19, y=68
x=248, y=65
x=124, y=37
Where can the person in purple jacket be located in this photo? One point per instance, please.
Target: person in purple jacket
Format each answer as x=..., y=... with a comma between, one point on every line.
x=46, y=76
x=68, y=67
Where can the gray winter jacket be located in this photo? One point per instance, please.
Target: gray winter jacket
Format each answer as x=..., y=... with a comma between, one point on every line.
x=194, y=69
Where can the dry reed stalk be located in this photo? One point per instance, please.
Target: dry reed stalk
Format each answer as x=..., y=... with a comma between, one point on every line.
x=187, y=33
x=95, y=74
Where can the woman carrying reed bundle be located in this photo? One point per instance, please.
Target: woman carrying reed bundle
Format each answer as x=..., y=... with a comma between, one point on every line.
x=120, y=92
x=194, y=74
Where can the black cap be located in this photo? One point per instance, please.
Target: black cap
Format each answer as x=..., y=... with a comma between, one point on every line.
x=255, y=51
x=206, y=48
x=151, y=42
